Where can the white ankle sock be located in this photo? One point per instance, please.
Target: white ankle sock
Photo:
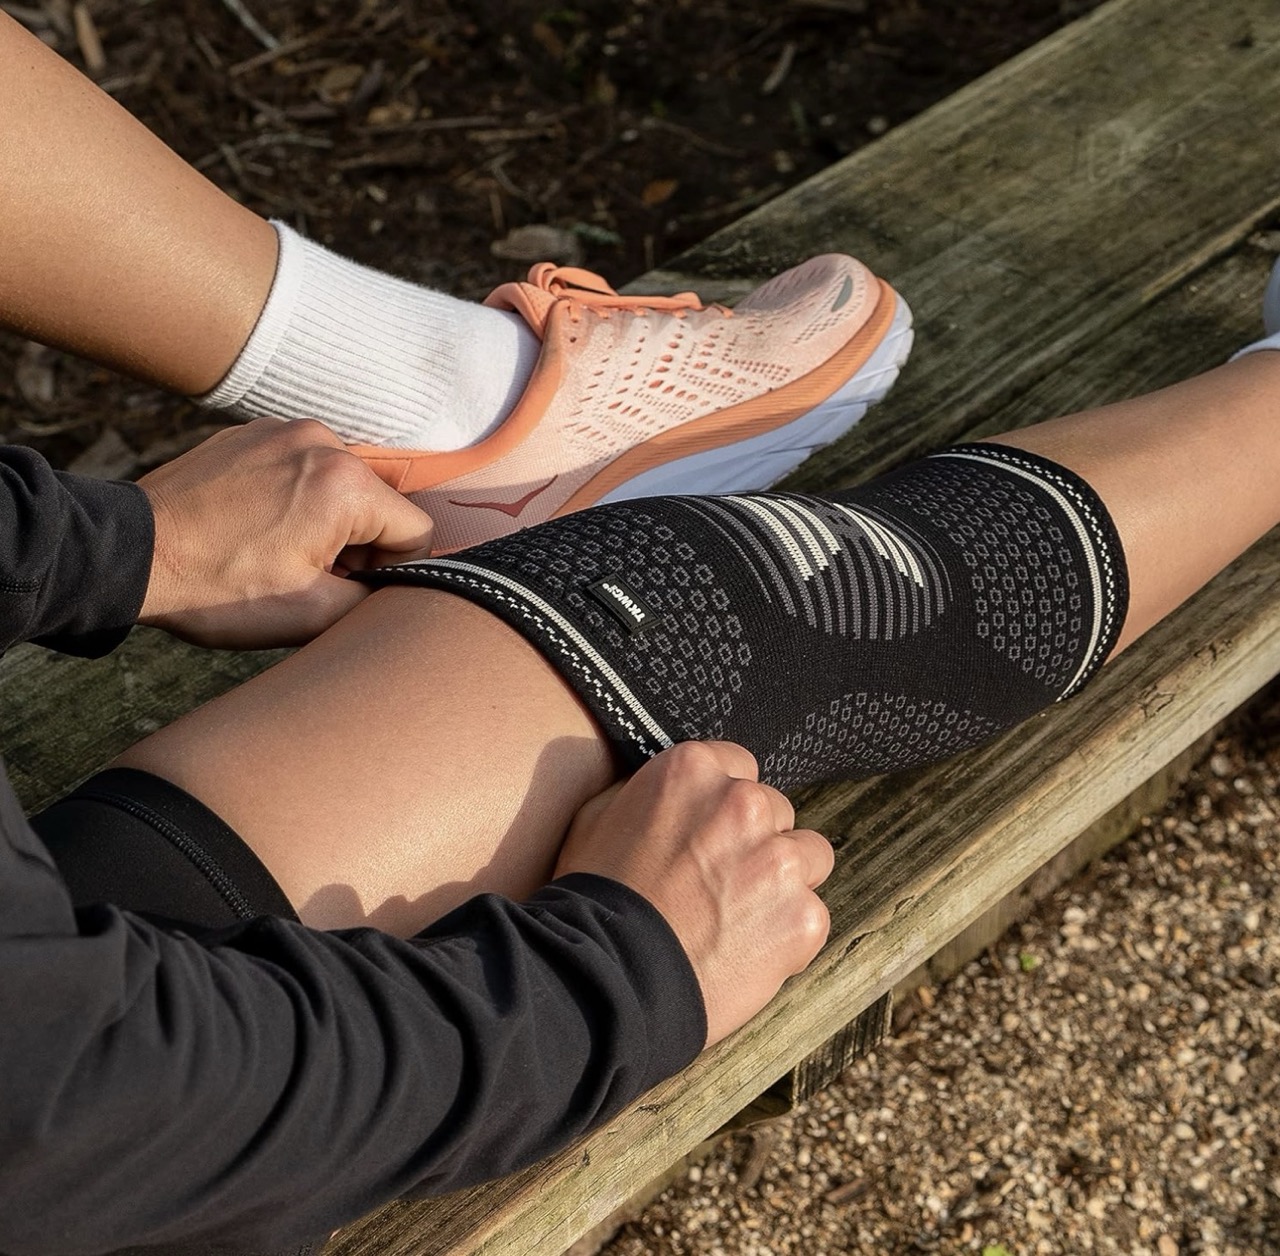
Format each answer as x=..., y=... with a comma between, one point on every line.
x=1270, y=317
x=380, y=360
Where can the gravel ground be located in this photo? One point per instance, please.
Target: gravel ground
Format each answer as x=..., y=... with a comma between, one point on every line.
x=1103, y=1080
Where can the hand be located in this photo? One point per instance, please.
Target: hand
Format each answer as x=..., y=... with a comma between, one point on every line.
x=256, y=528
x=714, y=851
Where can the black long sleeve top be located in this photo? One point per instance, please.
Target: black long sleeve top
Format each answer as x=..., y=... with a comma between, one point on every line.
x=260, y=1085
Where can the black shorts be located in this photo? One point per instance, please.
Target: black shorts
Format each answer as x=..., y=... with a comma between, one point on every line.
x=132, y=839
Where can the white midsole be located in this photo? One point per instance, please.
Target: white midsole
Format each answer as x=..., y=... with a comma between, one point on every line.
x=763, y=460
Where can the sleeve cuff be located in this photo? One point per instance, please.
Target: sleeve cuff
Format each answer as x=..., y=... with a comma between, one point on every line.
x=662, y=977
x=103, y=567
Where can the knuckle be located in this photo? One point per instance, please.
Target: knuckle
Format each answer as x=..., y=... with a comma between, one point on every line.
x=784, y=860
x=779, y=806
x=340, y=472
x=813, y=922
x=689, y=757
x=309, y=432
x=750, y=805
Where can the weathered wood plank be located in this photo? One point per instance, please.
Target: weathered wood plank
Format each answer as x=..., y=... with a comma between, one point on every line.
x=63, y=718
x=820, y=1068
x=1100, y=837
x=1035, y=210
x=913, y=876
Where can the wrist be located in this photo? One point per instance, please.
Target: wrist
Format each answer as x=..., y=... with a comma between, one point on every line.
x=159, y=601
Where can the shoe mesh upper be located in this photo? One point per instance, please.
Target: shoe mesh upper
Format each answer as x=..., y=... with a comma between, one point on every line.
x=631, y=372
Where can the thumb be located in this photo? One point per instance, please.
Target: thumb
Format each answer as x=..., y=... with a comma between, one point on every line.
x=388, y=528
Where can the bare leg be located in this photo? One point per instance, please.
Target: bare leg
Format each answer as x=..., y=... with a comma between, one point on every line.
x=117, y=250
x=420, y=751
x=1189, y=474
x=416, y=753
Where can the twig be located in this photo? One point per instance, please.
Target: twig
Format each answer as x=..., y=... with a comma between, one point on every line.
x=428, y=124
x=388, y=159
x=728, y=60
x=95, y=60
x=691, y=137
x=231, y=153
x=207, y=50
x=854, y=8
x=251, y=24
x=497, y=168
x=506, y=135
x=733, y=208
x=781, y=70
x=286, y=49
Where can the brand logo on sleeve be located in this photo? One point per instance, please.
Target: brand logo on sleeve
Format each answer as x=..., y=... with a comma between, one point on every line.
x=623, y=603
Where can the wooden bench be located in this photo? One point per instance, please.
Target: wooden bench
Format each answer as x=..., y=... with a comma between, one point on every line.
x=1079, y=226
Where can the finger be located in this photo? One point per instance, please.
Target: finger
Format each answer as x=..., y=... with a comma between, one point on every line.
x=817, y=854
x=388, y=523
x=816, y=930
x=368, y=557
x=734, y=760
x=784, y=814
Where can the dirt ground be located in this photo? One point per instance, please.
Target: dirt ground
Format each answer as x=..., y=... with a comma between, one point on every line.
x=1105, y=1080
x=421, y=136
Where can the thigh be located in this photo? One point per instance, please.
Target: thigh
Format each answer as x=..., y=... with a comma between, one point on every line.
x=416, y=754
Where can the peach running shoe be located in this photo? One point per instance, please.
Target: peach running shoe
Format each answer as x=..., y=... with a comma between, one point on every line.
x=638, y=396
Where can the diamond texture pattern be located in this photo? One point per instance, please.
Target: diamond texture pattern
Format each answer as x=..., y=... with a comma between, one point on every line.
x=891, y=626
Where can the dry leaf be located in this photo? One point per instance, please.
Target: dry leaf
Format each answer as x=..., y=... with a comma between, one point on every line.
x=539, y=243
x=547, y=37
x=397, y=113
x=338, y=83
x=603, y=91
x=659, y=192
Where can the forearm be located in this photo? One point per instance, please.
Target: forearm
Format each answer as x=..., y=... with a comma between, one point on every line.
x=283, y=1082
x=114, y=247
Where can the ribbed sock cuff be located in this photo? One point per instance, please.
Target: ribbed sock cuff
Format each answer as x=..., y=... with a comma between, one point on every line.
x=264, y=341
x=374, y=357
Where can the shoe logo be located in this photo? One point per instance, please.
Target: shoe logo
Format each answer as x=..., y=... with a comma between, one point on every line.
x=514, y=509
x=846, y=292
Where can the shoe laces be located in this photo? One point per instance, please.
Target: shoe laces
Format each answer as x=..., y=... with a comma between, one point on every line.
x=584, y=289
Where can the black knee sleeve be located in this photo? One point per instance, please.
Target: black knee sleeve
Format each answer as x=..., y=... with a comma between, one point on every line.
x=882, y=628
